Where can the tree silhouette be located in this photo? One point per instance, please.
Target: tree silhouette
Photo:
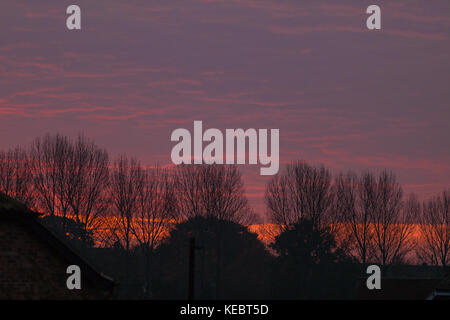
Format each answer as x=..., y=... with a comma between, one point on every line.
x=75, y=233
x=307, y=259
x=51, y=175
x=356, y=204
x=301, y=192
x=308, y=245
x=89, y=176
x=435, y=230
x=242, y=258
x=70, y=178
x=212, y=191
x=16, y=176
x=375, y=216
x=392, y=220
x=155, y=213
x=127, y=184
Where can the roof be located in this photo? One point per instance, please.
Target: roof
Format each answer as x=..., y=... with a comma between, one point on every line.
x=11, y=209
x=442, y=290
x=445, y=284
x=9, y=205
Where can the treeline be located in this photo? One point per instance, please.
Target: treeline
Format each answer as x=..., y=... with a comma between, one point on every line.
x=368, y=214
x=136, y=222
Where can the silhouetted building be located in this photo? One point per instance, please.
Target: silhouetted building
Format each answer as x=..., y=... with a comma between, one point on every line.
x=406, y=289
x=441, y=290
x=33, y=262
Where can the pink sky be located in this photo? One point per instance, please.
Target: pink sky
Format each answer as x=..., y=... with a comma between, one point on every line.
x=340, y=94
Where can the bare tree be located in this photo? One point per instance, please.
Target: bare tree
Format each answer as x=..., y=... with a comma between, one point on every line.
x=127, y=183
x=356, y=202
x=392, y=224
x=155, y=213
x=70, y=179
x=278, y=198
x=411, y=218
x=302, y=191
x=89, y=177
x=49, y=159
x=212, y=191
x=435, y=230
x=15, y=175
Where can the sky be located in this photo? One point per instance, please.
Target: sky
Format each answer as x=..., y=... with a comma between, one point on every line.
x=341, y=95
